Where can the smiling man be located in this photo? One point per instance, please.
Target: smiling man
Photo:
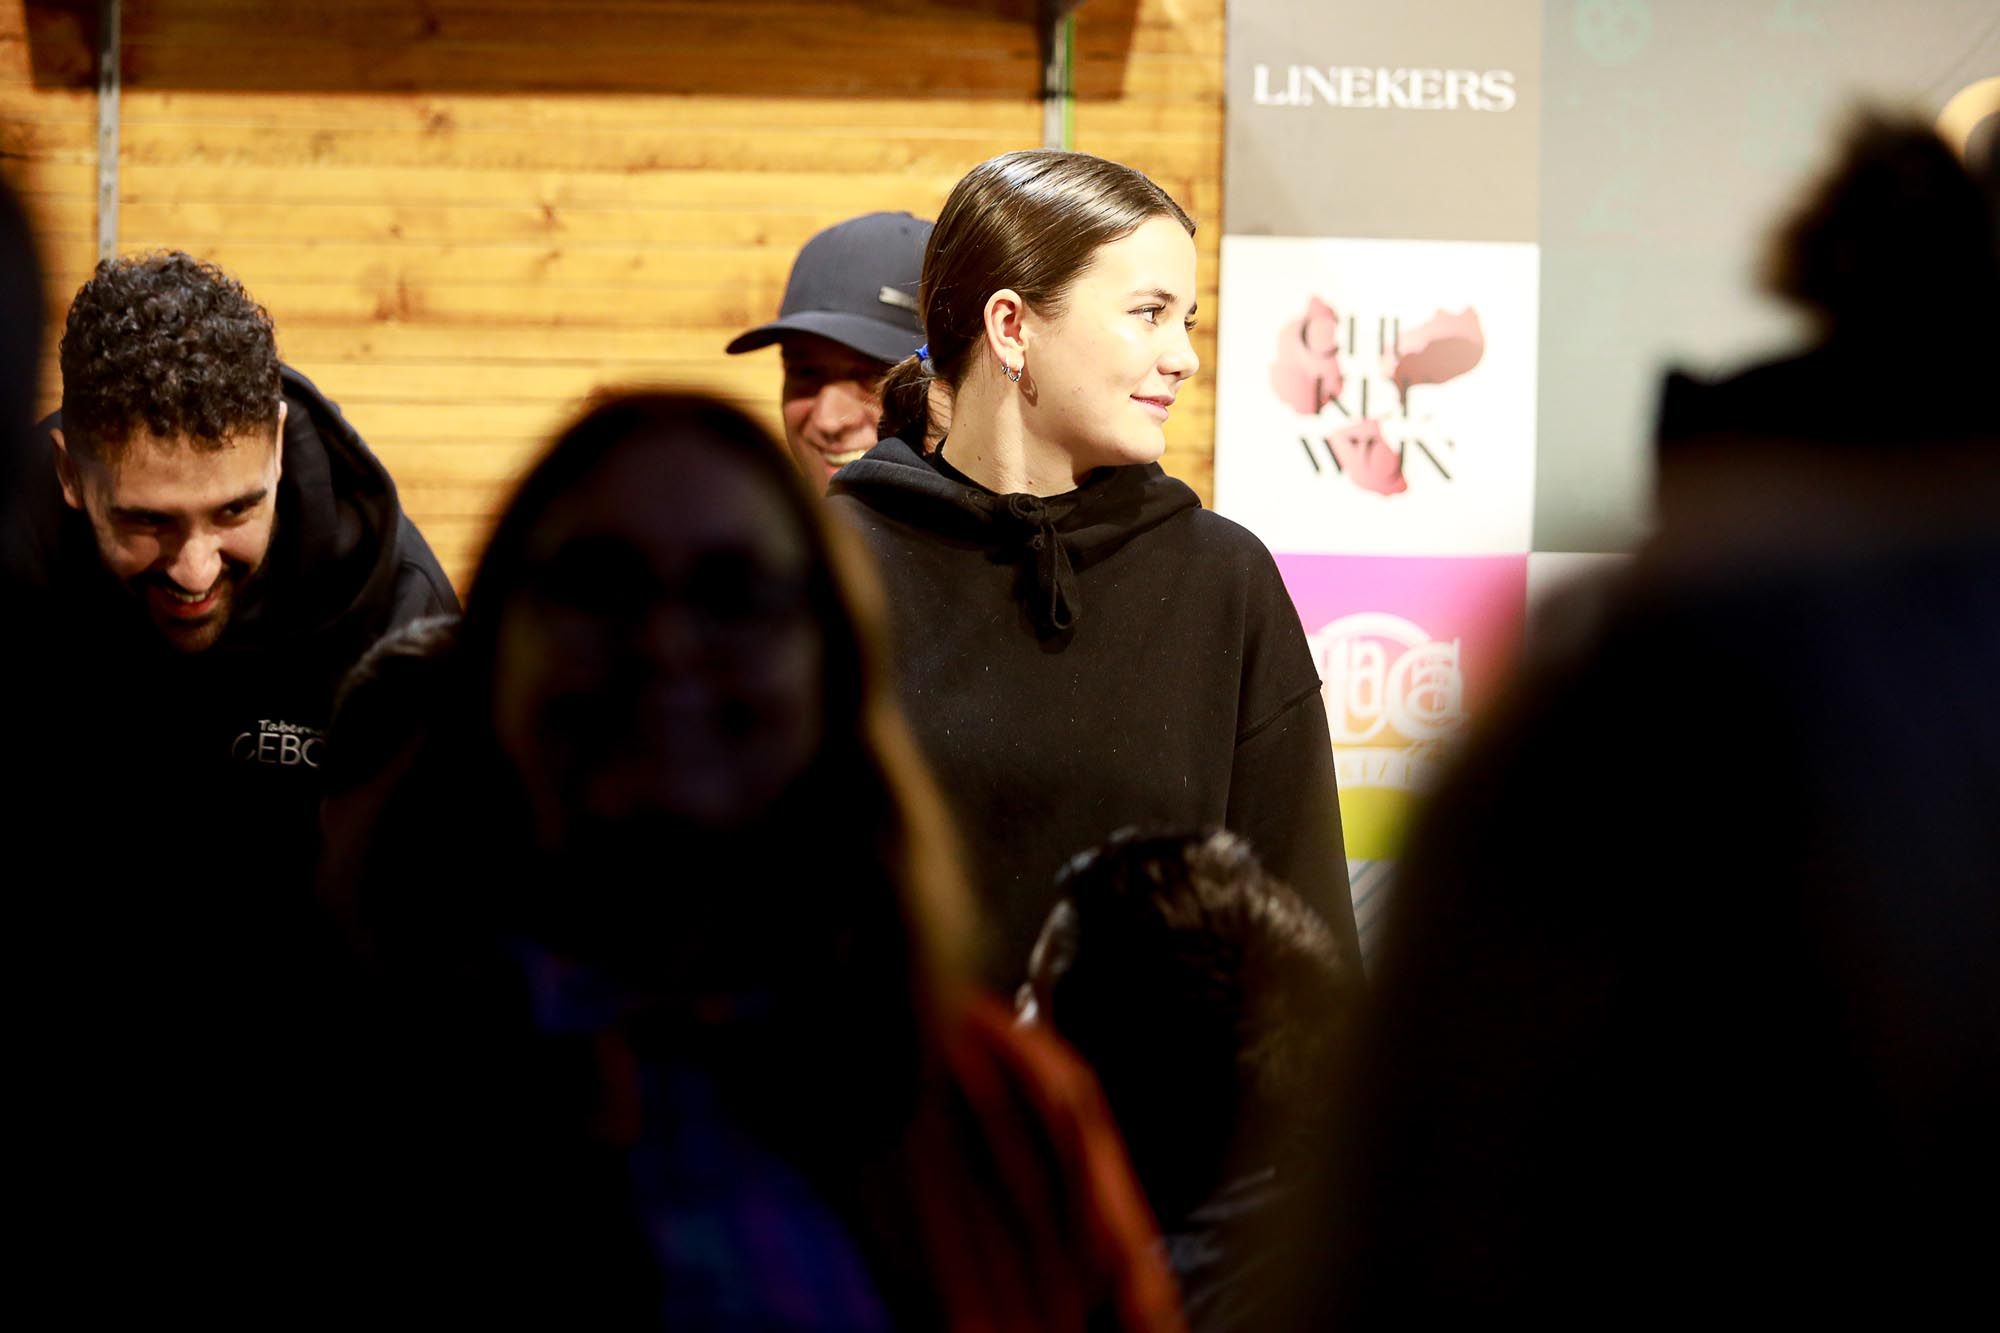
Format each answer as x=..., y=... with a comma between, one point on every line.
x=849, y=313
x=197, y=549
x=182, y=522
x=216, y=547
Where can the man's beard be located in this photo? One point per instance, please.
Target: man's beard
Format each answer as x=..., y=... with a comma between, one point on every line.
x=191, y=625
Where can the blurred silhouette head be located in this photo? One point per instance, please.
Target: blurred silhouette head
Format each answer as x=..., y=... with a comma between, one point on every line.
x=674, y=658
x=1894, y=253
x=1897, y=229
x=385, y=700
x=1210, y=1001
x=659, y=654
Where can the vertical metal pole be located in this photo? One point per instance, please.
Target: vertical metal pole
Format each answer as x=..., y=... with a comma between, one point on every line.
x=110, y=13
x=1058, y=60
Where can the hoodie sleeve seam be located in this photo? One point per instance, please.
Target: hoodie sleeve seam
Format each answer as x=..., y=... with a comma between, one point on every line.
x=1250, y=733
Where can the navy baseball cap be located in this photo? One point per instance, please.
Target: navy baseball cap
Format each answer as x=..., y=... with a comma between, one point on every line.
x=856, y=283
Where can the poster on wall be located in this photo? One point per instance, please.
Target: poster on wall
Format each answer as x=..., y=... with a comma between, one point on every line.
x=1376, y=360
x=1417, y=120
x=1378, y=396
x=1462, y=241
x=1408, y=650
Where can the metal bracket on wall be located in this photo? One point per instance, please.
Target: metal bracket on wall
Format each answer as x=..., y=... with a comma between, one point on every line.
x=1058, y=40
x=109, y=14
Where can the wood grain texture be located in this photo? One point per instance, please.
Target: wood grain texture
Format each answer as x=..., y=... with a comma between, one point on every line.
x=465, y=216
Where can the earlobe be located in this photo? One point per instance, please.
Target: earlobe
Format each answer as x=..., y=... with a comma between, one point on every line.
x=278, y=445
x=66, y=470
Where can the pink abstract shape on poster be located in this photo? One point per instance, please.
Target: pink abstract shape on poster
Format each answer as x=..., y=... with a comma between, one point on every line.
x=1366, y=458
x=1306, y=374
x=1441, y=348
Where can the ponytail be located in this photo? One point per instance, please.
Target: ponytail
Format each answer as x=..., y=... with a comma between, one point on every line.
x=906, y=404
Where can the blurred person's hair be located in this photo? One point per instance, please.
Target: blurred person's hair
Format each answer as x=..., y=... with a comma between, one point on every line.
x=1211, y=1002
x=882, y=834
x=385, y=699
x=166, y=345
x=1896, y=229
x=1031, y=221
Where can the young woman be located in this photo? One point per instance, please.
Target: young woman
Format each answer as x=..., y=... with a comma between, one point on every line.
x=1081, y=645
x=664, y=908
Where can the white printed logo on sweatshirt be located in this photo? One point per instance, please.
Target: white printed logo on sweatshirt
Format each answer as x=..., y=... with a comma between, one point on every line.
x=279, y=743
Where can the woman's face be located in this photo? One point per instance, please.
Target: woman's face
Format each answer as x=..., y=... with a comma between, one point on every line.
x=660, y=660
x=1106, y=370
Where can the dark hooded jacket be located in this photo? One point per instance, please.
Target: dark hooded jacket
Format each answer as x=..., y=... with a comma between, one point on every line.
x=245, y=719
x=1077, y=663
x=179, y=1022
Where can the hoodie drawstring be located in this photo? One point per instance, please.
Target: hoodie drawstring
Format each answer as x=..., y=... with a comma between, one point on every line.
x=1055, y=581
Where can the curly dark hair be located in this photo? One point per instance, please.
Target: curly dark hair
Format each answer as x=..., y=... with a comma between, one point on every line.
x=167, y=344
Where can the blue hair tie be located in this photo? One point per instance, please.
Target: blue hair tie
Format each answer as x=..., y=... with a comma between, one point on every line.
x=924, y=352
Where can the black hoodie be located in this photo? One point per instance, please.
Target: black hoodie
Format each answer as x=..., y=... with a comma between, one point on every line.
x=242, y=723
x=177, y=794
x=1077, y=663
x=179, y=1016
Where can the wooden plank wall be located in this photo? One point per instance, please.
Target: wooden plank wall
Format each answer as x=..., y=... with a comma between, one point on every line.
x=48, y=151
x=466, y=214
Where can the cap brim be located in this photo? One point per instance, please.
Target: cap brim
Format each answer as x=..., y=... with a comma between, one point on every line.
x=870, y=337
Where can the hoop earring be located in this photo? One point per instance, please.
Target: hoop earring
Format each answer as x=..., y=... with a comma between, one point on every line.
x=1013, y=373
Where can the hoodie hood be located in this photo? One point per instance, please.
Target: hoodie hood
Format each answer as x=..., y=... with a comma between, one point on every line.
x=1052, y=538
x=334, y=558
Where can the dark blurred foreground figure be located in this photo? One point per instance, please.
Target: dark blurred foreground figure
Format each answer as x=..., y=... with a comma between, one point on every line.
x=1690, y=1003
x=1892, y=256
x=1214, y=1007
x=380, y=717
x=666, y=925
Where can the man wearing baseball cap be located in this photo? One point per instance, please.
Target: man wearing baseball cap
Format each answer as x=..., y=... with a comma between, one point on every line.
x=849, y=313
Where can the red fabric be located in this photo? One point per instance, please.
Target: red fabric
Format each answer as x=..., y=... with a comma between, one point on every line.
x=1029, y=1213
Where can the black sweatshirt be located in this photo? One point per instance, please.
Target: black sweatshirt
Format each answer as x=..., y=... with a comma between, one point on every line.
x=208, y=763
x=187, y=1014
x=1077, y=663
x=244, y=720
